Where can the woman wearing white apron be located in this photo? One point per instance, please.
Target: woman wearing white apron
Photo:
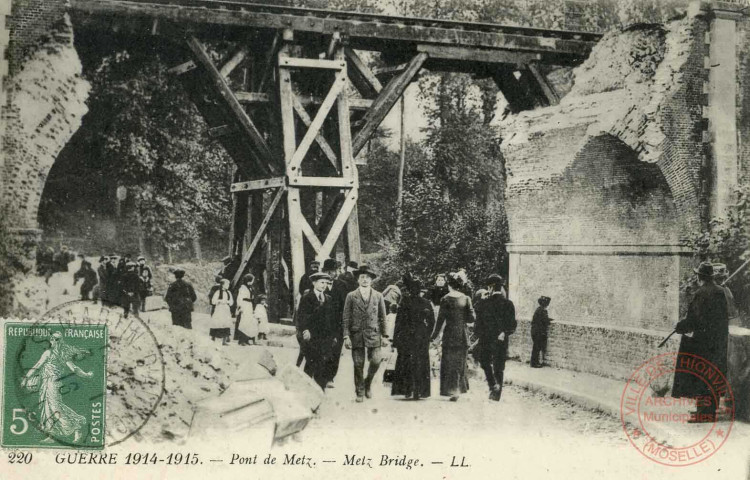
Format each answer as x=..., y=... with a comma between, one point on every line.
x=247, y=325
x=221, y=319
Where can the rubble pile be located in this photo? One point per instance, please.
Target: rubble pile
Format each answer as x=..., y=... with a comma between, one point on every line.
x=195, y=368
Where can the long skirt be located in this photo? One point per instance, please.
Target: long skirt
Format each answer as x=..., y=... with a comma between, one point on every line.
x=412, y=372
x=453, y=380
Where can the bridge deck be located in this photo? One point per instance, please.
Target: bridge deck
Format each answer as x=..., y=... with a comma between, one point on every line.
x=364, y=30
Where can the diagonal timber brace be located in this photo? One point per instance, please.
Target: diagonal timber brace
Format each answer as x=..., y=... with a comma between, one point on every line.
x=386, y=100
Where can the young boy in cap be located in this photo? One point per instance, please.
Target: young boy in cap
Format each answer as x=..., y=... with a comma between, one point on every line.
x=316, y=329
x=539, y=333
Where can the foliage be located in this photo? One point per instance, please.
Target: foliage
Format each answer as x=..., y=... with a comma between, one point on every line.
x=151, y=140
x=378, y=194
x=450, y=217
x=728, y=241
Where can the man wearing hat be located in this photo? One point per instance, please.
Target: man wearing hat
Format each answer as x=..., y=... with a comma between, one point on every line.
x=348, y=276
x=364, y=329
x=316, y=329
x=539, y=332
x=305, y=283
x=131, y=289
x=103, y=280
x=338, y=291
x=496, y=321
x=708, y=320
x=180, y=297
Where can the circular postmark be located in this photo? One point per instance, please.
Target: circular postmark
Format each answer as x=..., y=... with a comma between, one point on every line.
x=58, y=368
x=662, y=428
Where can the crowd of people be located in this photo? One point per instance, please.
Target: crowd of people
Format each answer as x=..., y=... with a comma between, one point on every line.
x=343, y=309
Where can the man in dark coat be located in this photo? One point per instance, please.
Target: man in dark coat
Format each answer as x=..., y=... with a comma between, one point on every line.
x=103, y=280
x=113, y=281
x=338, y=290
x=88, y=275
x=316, y=329
x=62, y=258
x=539, y=333
x=496, y=321
x=364, y=330
x=708, y=320
x=180, y=297
x=130, y=285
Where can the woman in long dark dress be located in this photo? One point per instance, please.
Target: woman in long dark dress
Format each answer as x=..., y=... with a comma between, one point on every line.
x=456, y=311
x=414, y=323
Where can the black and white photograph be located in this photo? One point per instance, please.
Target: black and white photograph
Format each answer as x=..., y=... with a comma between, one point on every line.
x=420, y=239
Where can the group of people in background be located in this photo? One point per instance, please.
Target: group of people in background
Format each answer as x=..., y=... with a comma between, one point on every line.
x=116, y=280
x=123, y=282
x=246, y=315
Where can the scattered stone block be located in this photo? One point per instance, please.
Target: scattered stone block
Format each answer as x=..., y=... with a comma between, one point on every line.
x=309, y=392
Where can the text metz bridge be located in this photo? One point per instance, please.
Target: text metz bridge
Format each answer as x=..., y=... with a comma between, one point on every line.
x=271, y=103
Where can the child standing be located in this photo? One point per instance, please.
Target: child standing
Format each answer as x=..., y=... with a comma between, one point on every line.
x=539, y=333
x=261, y=315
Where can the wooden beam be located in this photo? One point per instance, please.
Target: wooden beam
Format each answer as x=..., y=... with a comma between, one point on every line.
x=348, y=169
x=269, y=61
x=182, y=68
x=390, y=69
x=322, y=142
x=294, y=62
x=339, y=83
x=305, y=100
x=361, y=75
x=333, y=44
x=329, y=182
x=247, y=125
x=221, y=130
x=338, y=225
x=546, y=88
x=353, y=246
x=447, y=52
x=233, y=61
x=258, y=235
x=311, y=237
x=258, y=184
x=386, y=100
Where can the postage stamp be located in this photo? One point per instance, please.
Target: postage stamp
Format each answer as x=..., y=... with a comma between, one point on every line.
x=687, y=427
x=55, y=379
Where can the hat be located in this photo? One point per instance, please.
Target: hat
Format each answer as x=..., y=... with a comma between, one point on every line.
x=319, y=276
x=353, y=264
x=365, y=270
x=248, y=278
x=495, y=279
x=102, y=258
x=705, y=269
x=141, y=258
x=178, y=272
x=412, y=282
x=544, y=301
x=720, y=270
x=329, y=264
x=130, y=264
x=315, y=262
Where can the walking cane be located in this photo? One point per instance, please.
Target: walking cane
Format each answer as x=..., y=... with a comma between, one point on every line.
x=663, y=342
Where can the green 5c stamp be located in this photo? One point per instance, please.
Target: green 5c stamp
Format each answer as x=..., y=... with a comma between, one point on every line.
x=54, y=385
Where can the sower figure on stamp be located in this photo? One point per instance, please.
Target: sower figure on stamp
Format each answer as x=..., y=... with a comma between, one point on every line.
x=364, y=329
x=708, y=320
x=180, y=297
x=496, y=321
x=539, y=333
x=315, y=326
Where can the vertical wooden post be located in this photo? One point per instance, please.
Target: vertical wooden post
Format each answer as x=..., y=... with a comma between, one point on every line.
x=256, y=217
x=348, y=168
x=289, y=141
x=401, y=162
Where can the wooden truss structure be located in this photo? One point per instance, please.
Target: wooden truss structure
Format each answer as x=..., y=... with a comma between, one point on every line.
x=295, y=103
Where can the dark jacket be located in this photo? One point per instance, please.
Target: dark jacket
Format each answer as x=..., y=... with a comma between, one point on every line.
x=708, y=319
x=180, y=296
x=130, y=283
x=415, y=322
x=540, y=322
x=364, y=322
x=455, y=313
x=338, y=292
x=349, y=281
x=495, y=314
x=318, y=319
x=87, y=274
